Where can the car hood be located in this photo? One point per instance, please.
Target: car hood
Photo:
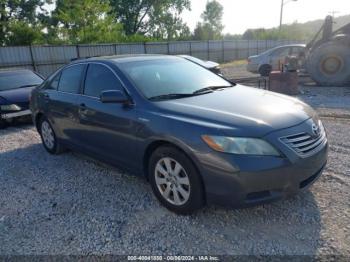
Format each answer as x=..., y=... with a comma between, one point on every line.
x=18, y=95
x=211, y=64
x=240, y=111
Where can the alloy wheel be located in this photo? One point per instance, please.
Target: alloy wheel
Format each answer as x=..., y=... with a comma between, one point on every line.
x=172, y=181
x=47, y=135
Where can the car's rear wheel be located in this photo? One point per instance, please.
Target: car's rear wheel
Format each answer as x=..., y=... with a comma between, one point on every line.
x=3, y=124
x=265, y=70
x=175, y=180
x=48, y=137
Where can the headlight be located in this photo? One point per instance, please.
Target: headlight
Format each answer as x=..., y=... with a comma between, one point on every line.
x=10, y=108
x=240, y=145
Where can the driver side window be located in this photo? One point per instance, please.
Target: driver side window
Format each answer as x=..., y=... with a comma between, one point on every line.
x=282, y=52
x=98, y=79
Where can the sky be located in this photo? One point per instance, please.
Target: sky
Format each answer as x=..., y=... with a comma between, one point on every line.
x=240, y=15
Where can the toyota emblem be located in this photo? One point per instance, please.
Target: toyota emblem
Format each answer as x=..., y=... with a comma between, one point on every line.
x=315, y=129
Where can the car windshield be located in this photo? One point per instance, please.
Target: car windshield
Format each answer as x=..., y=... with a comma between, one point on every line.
x=172, y=78
x=17, y=79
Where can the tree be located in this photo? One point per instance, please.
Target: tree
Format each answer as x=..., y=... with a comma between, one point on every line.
x=21, y=33
x=211, y=27
x=22, y=17
x=84, y=21
x=170, y=27
x=150, y=17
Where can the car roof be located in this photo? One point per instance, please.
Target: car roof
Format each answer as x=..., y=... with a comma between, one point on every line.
x=119, y=59
x=4, y=71
x=292, y=45
x=289, y=45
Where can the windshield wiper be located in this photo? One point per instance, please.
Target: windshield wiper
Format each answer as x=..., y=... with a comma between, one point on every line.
x=24, y=86
x=202, y=91
x=210, y=89
x=170, y=96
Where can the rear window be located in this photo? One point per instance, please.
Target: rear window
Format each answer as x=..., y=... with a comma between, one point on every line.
x=18, y=79
x=70, y=79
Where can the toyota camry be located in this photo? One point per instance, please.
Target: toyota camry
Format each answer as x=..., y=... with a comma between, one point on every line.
x=196, y=137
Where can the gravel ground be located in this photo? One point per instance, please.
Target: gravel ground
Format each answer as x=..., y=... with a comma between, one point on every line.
x=70, y=204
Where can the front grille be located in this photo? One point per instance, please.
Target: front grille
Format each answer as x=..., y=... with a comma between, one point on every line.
x=305, y=144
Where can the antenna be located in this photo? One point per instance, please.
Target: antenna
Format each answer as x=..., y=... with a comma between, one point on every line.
x=332, y=13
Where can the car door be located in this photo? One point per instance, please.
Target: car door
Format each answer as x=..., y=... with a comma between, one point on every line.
x=62, y=102
x=108, y=129
x=299, y=53
x=277, y=58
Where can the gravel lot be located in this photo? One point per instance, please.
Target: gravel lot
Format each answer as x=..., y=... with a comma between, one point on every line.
x=69, y=204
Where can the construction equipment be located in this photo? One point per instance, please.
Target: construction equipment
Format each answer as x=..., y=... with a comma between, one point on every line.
x=328, y=55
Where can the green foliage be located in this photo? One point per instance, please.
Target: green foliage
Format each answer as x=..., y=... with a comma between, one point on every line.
x=155, y=18
x=21, y=33
x=85, y=21
x=232, y=37
x=23, y=18
x=25, y=22
x=296, y=31
x=211, y=27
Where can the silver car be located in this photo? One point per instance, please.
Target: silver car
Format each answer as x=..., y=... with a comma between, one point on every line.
x=272, y=59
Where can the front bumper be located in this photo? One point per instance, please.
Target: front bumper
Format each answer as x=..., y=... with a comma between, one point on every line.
x=253, y=68
x=9, y=115
x=241, y=181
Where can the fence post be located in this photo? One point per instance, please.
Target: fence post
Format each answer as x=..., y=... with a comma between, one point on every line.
x=32, y=58
x=168, y=48
x=190, y=48
x=115, y=49
x=257, y=47
x=236, y=50
x=223, y=50
x=144, y=47
x=78, y=52
x=208, y=54
x=248, y=49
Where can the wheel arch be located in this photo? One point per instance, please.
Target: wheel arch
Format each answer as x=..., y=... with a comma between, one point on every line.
x=37, y=118
x=163, y=142
x=264, y=65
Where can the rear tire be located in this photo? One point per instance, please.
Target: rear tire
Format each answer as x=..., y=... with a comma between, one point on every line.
x=48, y=137
x=329, y=64
x=3, y=124
x=265, y=70
x=175, y=181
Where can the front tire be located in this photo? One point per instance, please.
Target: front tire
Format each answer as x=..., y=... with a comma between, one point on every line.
x=175, y=181
x=48, y=137
x=329, y=64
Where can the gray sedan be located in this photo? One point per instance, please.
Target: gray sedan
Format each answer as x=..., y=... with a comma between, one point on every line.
x=197, y=138
x=272, y=59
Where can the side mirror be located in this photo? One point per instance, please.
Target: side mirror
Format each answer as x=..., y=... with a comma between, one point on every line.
x=113, y=96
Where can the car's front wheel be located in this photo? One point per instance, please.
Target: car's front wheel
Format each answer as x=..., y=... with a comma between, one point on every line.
x=48, y=137
x=175, y=180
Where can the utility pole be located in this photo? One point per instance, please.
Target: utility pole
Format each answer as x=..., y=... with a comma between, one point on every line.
x=283, y=3
x=332, y=13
